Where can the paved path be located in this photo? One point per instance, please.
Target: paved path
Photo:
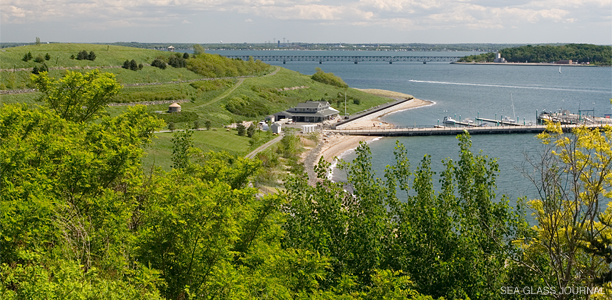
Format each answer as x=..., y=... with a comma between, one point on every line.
x=265, y=146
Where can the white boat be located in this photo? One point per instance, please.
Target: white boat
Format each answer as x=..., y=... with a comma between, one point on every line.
x=507, y=119
x=449, y=120
x=559, y=70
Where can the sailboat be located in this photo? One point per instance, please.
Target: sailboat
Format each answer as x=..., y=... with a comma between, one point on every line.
x=559, y=70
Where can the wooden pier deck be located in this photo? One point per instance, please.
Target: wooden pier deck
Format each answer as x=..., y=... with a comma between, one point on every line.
x=454, y=130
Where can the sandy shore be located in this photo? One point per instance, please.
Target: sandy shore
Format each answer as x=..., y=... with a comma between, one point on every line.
x=334, y=145
x=373, y=120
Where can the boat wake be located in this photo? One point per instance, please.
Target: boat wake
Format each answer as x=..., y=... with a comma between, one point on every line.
x=508, y=86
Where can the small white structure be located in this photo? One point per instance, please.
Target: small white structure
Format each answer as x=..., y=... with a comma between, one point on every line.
x=171, y=49
x=309, y=128
x=498, y=58
x=276, y=128
x=174, y=107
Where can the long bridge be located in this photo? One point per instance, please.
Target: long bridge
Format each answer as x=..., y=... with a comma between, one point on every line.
x=455, y=130
x=355, y=59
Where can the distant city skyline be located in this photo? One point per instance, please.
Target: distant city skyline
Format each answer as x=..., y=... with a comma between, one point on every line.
x=308, y=21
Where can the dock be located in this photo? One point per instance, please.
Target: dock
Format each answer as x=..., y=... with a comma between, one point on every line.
x=429, y=131
x=498, y=122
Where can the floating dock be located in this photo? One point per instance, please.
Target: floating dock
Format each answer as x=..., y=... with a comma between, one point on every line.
x=534, y=129
x=498, y=122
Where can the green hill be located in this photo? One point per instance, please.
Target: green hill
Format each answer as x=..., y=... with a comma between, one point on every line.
x=581, y=53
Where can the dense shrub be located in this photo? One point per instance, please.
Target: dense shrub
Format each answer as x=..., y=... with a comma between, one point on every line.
x=159, y=64
x=328, y=78
x=39, y=59
x=213, y=65
x=47, y=56
x=248, y=107
x=241, y=129
x=41, y=68
x=186, y=55
x=180, y=117
x=82, y=55
x=177, y=62
x=27, y=56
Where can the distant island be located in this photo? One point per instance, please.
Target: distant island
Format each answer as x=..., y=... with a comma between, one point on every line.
x=576, y=53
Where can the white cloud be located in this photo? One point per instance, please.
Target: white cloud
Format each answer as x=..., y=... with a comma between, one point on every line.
x=399, y=14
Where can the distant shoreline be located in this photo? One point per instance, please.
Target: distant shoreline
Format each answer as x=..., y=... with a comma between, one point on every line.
x=524, y=64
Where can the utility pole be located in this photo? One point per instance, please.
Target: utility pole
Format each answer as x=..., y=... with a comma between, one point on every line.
x=345, y=115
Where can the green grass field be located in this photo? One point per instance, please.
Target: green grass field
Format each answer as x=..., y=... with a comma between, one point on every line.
x=208, y=100
x=106, y=55
x=160, y=152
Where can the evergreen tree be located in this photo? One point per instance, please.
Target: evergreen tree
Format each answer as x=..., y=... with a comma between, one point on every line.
x=27, y=56
x=241, y=129
x=39, y=59
x=82, y=55
x=47, y=56
x=140, y=66
x=208, y=124
x=185, y=55
x=133, y=65
x=126, y=64
x=251, y=130
x=91, y=56
x=159, y=64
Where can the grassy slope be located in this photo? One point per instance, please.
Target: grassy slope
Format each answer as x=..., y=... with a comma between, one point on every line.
x=160, y=152
x=60, y=55
x=258, y=88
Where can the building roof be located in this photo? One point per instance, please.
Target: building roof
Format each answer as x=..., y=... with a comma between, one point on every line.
x=312, y=104
x=324, y=113
x=174, y=105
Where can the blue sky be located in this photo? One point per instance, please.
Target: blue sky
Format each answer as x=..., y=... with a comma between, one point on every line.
x=314, y=21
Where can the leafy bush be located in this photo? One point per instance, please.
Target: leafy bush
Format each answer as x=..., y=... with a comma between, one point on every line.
x=39, y=59
x=248, y=107
x=328, y=78
x=177, y=62
x=47, y=56
x=210, y=65
x=180, y=117
x=356, y=101
x=27, y=56
x=159, y=64
x=41, y=68
x=82, y=55
x=241, y=129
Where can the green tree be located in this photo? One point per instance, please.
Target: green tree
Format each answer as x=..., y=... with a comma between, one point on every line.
x=182, y=142
x=91, y=56
x=241, y=129
x=171, y=126
x=39, y=59
x=37, y=41
x=198, y=49
x=82, y=55
x=208, y=124
x=77, y=97
x=27, y=56
x=133, y=65
x=47, y=56
x=251, y=130
x=126, y=64
x=185, y=55
x=571, y=244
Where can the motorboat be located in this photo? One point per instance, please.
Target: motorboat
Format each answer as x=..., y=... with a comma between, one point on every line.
x=449, y=120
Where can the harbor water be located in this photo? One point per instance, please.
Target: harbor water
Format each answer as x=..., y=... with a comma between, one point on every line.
x=469, y=91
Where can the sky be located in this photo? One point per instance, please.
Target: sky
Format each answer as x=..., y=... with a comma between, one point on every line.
x=311, y=21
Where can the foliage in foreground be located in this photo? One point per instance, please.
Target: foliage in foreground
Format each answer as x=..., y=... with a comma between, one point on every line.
x=81, y=219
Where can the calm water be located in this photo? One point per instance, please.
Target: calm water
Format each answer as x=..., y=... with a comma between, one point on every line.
x=469, y=91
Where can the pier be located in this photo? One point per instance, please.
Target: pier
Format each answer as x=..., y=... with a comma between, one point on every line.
x=428, y=131
x=498, y=122
x=354, y=59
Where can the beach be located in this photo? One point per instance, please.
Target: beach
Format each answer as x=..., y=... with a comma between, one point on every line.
x=335, y=145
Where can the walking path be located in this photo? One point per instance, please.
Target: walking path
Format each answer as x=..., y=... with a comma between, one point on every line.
x=226, y=93
x=265, y=146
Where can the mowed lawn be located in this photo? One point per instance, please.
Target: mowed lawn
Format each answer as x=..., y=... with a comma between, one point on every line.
x=159, y=153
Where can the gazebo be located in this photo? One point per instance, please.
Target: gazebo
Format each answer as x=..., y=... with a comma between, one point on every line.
x=174, y=107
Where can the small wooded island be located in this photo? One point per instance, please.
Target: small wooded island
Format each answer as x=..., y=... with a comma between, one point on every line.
x=578, y=53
